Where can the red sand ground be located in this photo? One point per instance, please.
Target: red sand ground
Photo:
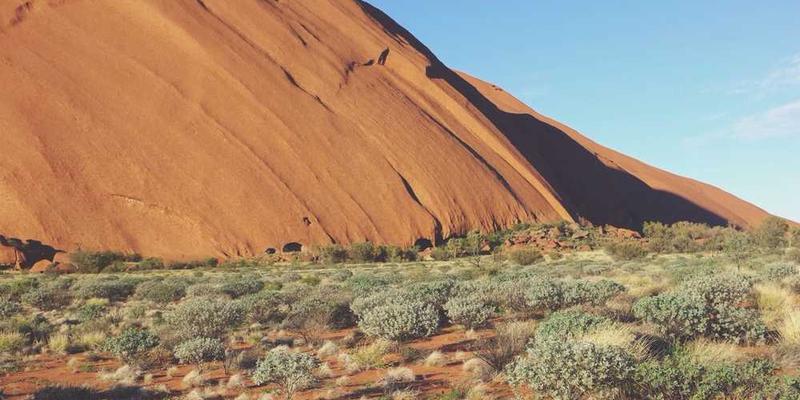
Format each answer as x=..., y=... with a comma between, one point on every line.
x=48, y=370
x=189, y=128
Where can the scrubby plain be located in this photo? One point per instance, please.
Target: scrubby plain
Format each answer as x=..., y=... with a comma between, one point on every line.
x=687, y=312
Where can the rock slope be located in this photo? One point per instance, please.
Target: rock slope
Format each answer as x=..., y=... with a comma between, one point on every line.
x=189, y=128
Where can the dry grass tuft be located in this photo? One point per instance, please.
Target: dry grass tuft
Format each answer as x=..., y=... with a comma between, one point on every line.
x=708, y=353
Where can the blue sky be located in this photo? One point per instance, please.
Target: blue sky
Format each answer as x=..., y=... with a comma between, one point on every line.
x=706, y=89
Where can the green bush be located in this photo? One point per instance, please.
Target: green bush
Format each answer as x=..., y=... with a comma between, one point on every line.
x=441, y=253
x=34, y=329
x=318, y=311
x=626, y=250
x=707, y=306
x=681, y=237
x=586, y=292
x=91, y=311
x=10, y=343
x=332, y=254
x=365, y=252
x=793, y=255
x=111, y=288
x=399, y=254
x=341, y=275
x=16, y=288
x=526, y=256
x=724, y=289
x=203, y=290
x=365, y=284
x=778, y=272
x=568, y=370
x=94, y=262
x=677, y=315
x=131, y=344
x=291, y=372
x=435, y=292
x=264, y=307
x=200, y=350
x=47, y=298
x=568, y=324
x=551, y=294
x=236, y=287
x=204, y=318
x=471, y=311
x=678, y=377
x=771, y=234
x=9, y=308
x=401, y=319
x=162, y=291
x=544, y=294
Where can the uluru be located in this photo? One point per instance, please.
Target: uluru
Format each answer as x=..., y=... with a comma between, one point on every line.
x=193, y=128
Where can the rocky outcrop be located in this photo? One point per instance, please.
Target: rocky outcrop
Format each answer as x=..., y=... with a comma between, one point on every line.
x=187, y=129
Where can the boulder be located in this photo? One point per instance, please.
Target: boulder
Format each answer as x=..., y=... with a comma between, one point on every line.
x=65, y=268
x=62, y=257
x=10, y=256
x=42, y=266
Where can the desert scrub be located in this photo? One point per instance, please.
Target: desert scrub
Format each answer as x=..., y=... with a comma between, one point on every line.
x=162, y=291
x=366, y=284
x=626, y=250
x=471, y=311
x=11, y=342
x=568, y=324
x=725, y=289
x=402, y=320
x=265, y=307
x=708, y=306
x=592, y=369
x=47, y=297
x=332, y=254
x=236, y=287
x=200, y=350
x=289, y=371
x=131, y=344
x=510, y=341
x=315, y=313
x=778, y=272
x=33, y=328
x=527, y=256
x=93, y=309
x=94, y=262
x=365, y=252
x=9, y=308
x=106, y=287
x=550, y=294
x=368, y=357
x=204, y=318
x=679, y=377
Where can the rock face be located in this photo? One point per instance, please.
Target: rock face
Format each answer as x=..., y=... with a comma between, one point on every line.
x=193, y=128
x=10, y=257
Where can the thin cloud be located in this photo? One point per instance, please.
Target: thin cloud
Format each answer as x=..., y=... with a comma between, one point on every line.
x=782, y=121
x=787, y=74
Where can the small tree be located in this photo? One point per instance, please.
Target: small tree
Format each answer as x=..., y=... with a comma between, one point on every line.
x=200, y=350
x=738, y=246
x=290, y=371
x=131, y=344
x=771, y=234
x=203, y=317
x=528, y=256
x=471, y=311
